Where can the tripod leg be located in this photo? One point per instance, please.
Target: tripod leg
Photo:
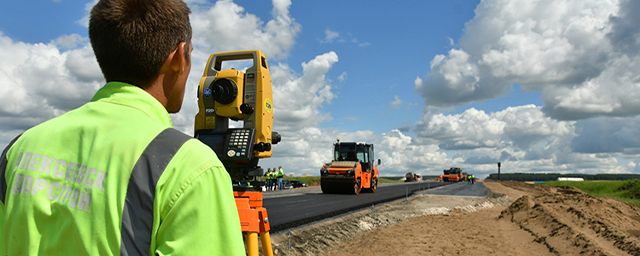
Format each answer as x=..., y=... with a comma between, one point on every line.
x=252, y=243
x=266, y=244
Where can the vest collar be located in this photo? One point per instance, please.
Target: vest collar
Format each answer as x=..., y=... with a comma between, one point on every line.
x=135, y=97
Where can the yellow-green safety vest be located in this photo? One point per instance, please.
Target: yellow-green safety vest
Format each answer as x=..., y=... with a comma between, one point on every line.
x=112, y=177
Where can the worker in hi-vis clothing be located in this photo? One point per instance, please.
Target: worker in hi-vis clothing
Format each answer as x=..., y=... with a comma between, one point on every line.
x=280, y=175
x=112, y=177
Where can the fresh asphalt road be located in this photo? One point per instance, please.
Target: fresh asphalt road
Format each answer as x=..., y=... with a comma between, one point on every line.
x=460, y=189
x=292, y=208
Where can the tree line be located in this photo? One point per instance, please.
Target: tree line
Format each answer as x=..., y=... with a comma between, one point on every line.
x=555, y=176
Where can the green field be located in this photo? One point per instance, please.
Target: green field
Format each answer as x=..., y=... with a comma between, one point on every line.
x=315, y=180
x=626, y=190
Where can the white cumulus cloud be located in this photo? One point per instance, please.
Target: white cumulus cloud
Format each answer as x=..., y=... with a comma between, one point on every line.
x=581, y=55
x=40, y=81
x=396, y=103
x=228, y=27
x=297, y=100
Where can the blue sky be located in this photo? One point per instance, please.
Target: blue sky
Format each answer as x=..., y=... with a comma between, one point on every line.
x=542, y=86
x=378, y=48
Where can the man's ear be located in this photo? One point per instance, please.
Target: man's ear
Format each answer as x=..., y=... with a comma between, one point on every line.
x=178, y=59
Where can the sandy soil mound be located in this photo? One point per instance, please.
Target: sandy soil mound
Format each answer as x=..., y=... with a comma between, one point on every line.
x=518, y=219
x=570, y=222
x=319, y=238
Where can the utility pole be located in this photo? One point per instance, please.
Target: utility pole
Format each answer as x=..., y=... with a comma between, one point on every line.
x=498, y=170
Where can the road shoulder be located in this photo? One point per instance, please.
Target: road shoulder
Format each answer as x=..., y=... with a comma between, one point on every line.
x=421, y=225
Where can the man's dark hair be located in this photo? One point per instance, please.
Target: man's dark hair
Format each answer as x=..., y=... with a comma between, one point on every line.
x=132, y=38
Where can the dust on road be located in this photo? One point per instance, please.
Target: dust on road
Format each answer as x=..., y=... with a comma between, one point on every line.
x=517, y=219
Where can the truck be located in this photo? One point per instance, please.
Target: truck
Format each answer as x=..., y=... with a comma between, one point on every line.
x=453, y=174
x=352, y=169
x=411, y=177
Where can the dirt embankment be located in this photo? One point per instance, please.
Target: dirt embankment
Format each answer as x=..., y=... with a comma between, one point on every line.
x=518, y=219
x=570, y=222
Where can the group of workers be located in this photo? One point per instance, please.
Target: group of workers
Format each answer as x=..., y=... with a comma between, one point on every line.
x=274, y=178
x=471, y=179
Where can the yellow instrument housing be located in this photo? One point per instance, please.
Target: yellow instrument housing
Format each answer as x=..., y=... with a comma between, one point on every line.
x=253, y=89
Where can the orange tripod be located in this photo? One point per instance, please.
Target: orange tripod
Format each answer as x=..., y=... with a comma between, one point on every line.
x=254, y=221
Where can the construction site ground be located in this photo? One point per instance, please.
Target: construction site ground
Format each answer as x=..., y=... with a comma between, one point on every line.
x=517, y=219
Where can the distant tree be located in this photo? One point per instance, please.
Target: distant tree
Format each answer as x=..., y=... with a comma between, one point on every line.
x=555, y=176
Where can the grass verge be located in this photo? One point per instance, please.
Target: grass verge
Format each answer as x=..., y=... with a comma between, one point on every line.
x=624, y=190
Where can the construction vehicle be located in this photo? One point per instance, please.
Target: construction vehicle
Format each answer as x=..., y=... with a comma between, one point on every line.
x=412, y=177
x=352, y=169
x=453, y=174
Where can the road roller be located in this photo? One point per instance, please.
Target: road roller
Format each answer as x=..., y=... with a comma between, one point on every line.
x=351, y=171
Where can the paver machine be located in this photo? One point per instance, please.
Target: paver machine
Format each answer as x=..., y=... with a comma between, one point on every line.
x=453, y=174
x=352, y=170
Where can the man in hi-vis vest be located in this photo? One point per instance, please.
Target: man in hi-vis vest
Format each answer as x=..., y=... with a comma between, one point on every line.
x=113, y=177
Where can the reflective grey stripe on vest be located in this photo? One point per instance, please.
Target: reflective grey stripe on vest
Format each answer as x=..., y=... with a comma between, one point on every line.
x=3, y=169
x=137, y=215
